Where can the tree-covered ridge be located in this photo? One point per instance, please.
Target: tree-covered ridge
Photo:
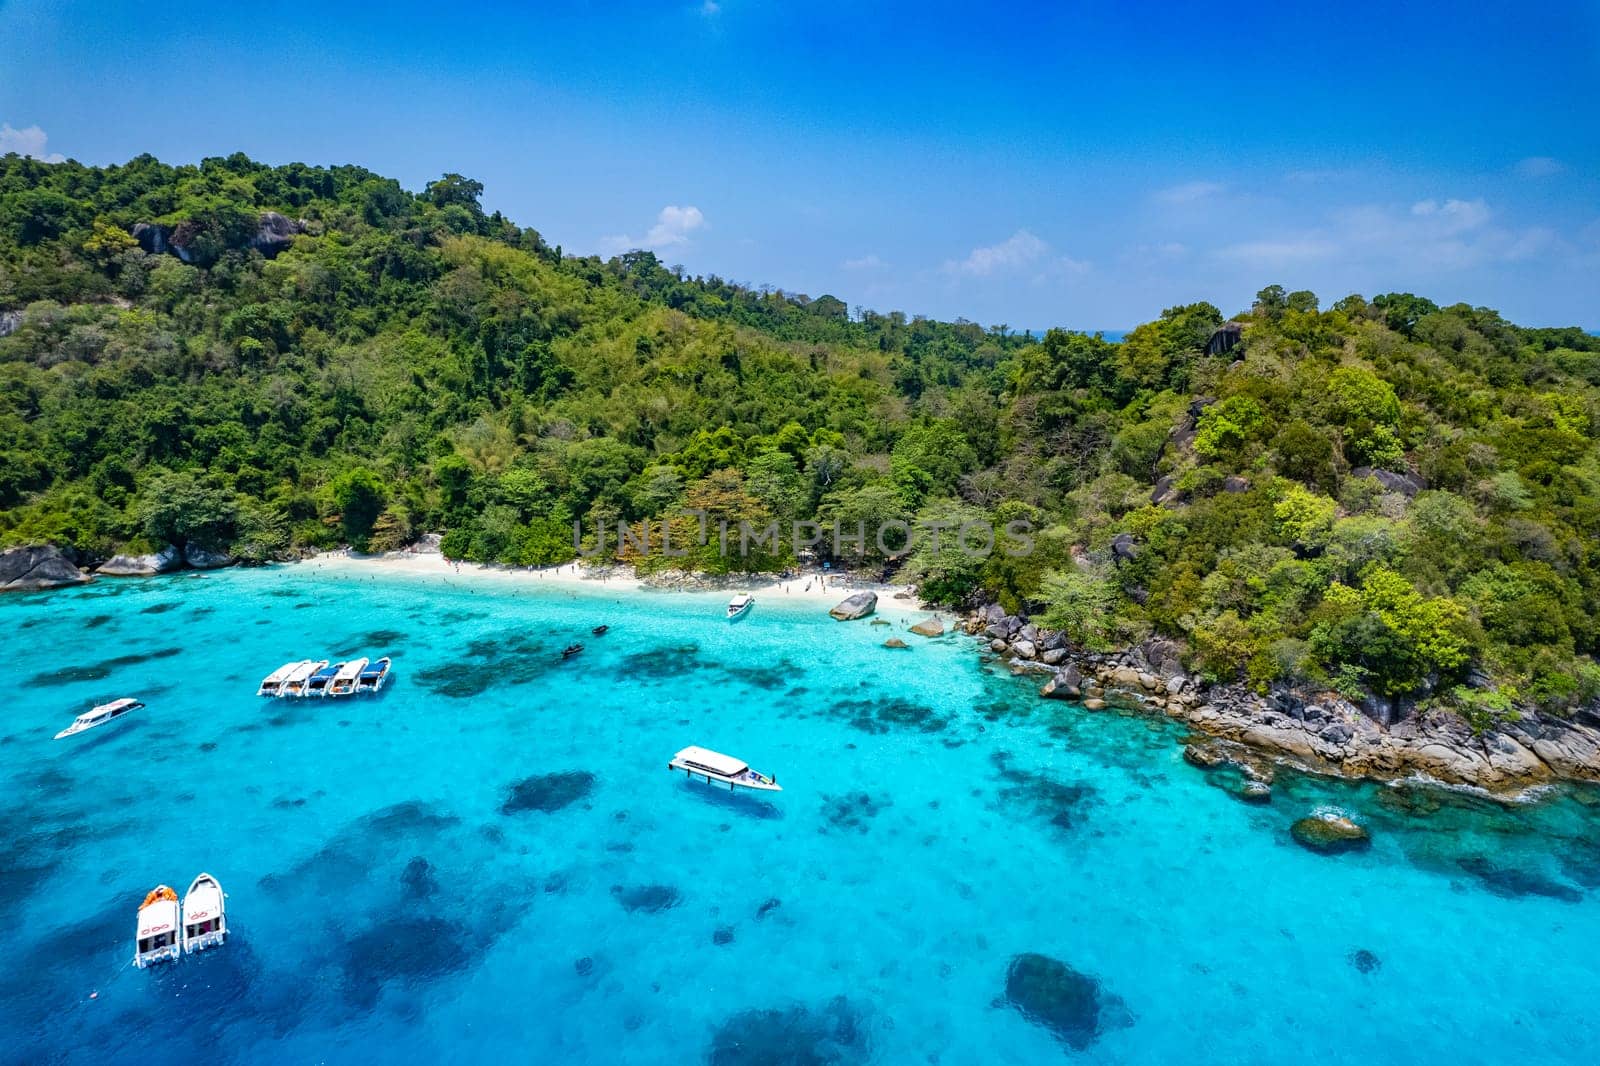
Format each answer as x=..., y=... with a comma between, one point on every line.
x=1385, y=496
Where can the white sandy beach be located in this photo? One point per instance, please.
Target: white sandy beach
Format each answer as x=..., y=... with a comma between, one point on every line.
x=825, y=590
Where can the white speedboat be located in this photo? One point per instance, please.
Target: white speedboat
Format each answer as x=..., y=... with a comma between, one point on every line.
x=272, y=684
x=317, y=683
x=740, y=606
x=373, y=677
x=158, y=936
x=344, y=682
x=106, y=712
x=204, y=923
x=720, y=769
x=295, y=683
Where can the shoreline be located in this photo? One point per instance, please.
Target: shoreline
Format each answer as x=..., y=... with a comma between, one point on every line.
x=812, y=588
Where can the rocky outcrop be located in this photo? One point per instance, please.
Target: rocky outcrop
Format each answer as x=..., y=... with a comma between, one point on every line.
x=274, y=233
x=9, y=322
x=1317, y=731
x=198, y=558
x=857, y=606
x=929, y=627
x=895, y=642
x=37, y=566
x=1405, y=484
x=164, y=561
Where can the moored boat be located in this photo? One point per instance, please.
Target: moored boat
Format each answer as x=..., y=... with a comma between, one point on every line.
x=205, y=924
x=599, y=631
x=317, y=683
x=373, y=677
x=344, y=682
x=740, y=606
x=272, y=684
x=295, y=683
x=570, y=650
x=158, y=934
x=717, y=768
x=106, y=712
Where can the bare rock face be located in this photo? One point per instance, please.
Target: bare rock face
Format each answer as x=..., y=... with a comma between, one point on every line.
x=1066, y=684
x=1407, y=484
x=37, y=566
x=930, y=627
x=858, y=606
x=205, y=559
x=161, y=562
x=276, y=233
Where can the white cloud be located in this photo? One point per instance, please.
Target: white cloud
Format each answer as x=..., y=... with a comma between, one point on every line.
x=1430, y=236
x=866, y=262
x=1281, y=252
x=710, y=8
x=1453, y=216
x=30, y=141
x=1018, y=250
x=1538, y=166
x=1189, y=192
x=673, y=227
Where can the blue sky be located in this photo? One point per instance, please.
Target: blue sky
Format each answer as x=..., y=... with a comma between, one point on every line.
x=1078, y=164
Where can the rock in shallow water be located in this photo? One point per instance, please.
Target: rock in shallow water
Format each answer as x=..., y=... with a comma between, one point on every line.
x=548, y=792
x=648, y=899
x=1329, y=834
x=795, y=1036
x=1365, y=961
x=1071, y=1005
x=858, y=606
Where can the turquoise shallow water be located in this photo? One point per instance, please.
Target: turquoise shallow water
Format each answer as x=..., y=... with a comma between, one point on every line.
x=396, y=896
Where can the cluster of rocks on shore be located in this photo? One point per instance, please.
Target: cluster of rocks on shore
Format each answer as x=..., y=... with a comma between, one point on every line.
x=1317, y=731
x=42, y=566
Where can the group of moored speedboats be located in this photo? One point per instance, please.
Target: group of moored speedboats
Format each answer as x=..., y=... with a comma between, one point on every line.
x=319, y=677
x=167, y=932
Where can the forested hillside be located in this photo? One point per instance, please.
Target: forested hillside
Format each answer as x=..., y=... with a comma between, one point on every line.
x=1382, y=496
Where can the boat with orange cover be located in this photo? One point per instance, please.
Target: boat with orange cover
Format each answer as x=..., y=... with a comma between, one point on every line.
x=158, y=938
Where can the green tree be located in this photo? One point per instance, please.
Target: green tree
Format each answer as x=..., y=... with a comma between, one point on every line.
x=359, y=494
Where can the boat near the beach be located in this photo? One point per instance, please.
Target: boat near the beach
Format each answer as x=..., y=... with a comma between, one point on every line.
x=317, y=683
x=295, y=683
x=349, y=676
x=205, y=925
x=158, y=934
x=272, y=684
x=373, y=677
x=599, y=631
x=106, y=712
x=740, y=606
x=719, y=769
x=570, y=650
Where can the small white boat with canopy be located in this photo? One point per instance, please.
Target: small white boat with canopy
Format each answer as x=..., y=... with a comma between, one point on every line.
x=106, y=712
x=204, y=923
x=295, y=683
x=158, y=935
x=373, y=677
x=345, y=681
x=740, y=606
x=717, y=768
x=317, y=684
x=272, y=684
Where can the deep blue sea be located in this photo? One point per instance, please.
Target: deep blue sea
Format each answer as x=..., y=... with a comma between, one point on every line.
x=488, y=862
